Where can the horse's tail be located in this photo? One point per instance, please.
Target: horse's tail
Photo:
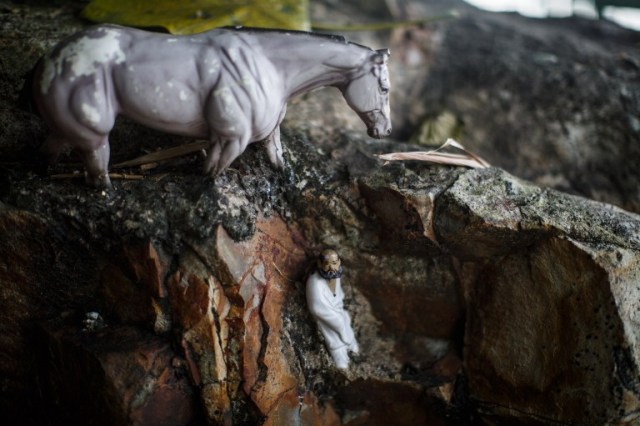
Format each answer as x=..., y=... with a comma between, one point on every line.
x=25, y=96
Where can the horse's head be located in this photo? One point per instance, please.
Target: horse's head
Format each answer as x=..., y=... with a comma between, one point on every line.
x=368, y=94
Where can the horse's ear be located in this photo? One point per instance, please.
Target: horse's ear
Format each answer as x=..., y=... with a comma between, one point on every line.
x=381, y=56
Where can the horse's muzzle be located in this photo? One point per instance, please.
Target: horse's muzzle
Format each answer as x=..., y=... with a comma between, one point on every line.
x=377, y=133
x=378, y=125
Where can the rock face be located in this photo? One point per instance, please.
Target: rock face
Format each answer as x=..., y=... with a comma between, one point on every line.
x=120, y=375
x=549, y=310
x=475, y=296
x=551, y=100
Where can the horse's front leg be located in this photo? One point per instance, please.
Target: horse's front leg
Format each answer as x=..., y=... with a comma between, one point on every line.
x=229, y=128
x=96, y=162
x=274, y=145
x=223, y=152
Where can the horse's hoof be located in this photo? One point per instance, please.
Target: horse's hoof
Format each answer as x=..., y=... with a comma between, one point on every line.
x=99, y=182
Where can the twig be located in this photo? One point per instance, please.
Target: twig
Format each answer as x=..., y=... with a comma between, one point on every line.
x=164, y=154
x=148, y=166
x=122, y=176
x=159, y=177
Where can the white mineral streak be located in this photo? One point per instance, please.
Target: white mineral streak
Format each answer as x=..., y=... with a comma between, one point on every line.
x=214, y=67
x=84, y=56
x=91, y=113
x=98, y=95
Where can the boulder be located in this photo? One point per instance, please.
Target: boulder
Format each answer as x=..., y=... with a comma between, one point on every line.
x=551, y=322
x=114, y=375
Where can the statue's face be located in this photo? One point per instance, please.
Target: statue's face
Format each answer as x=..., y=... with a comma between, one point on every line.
x=329, y=261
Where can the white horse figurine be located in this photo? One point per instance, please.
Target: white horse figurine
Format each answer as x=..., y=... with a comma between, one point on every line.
x=229, y=86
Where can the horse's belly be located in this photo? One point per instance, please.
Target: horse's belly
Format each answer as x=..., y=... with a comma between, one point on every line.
x=264, y=131
x=196, y=128
x=166, y=104
x=265, y=123
x=178, y=124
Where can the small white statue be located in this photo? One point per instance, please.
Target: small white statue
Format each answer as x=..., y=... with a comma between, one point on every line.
x=325, y=300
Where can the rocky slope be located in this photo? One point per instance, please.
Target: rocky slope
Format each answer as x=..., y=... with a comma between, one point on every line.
x=476, y=297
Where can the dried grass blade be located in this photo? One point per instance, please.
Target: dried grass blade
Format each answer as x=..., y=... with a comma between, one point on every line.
x=468, y=159
x=122, y=176
x=455, y=144
x=165, y=154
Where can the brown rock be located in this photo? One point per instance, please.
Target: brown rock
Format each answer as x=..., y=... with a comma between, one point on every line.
x=375, y=402
x=132, y=286
x=545, y=336
x=302, y=408
x=199, y=309
x=549, y=282
x=149, y=266
x=41, y=274
x=21, y=275
x=256, y=268
x=551, y=320
x=228, y=300
x=409, y=294
x=406, y=217
x=118, y=375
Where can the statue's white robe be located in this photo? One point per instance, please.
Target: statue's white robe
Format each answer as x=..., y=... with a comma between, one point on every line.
x=333, y=320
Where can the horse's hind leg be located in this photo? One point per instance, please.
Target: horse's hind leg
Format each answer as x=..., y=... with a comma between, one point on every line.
x=96, y=162
x=51, y=149
x=274, y=148
x=48, y=154
x=274, y=145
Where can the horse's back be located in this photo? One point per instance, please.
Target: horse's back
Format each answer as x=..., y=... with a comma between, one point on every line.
x=162, y=81
x=82, y=54
x=248, y=73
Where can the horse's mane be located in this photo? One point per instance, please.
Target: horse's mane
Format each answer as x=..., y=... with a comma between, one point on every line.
x=330, y=37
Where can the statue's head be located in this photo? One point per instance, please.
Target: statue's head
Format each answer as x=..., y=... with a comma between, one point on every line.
x=329, y=264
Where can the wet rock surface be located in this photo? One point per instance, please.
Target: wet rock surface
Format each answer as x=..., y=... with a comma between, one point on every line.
x=476, y=297
x=118, y=375
x=551, y=309
x=554, y=101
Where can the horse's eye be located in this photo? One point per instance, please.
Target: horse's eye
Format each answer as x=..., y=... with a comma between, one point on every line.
x=384, y=89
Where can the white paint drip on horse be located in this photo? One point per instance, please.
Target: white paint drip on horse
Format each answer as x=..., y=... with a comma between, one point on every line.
x=227, y=86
